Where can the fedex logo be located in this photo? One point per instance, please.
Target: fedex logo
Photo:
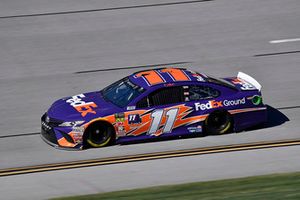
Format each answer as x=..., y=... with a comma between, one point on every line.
x=208, y=105
x=81, y=106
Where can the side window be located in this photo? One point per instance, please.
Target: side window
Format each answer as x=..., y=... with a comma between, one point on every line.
x=143, y=103
x=162, y=96
x=197, y=92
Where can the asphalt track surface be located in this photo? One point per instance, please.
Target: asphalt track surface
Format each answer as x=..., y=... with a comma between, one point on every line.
x=54, y=49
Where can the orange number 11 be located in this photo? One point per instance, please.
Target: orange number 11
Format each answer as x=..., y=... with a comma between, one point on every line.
x=153, y=77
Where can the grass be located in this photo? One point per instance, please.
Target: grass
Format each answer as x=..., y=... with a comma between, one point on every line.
x=277, y=186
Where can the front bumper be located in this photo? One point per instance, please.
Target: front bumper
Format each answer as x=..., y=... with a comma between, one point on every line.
x=45, y=137
x=56, y=138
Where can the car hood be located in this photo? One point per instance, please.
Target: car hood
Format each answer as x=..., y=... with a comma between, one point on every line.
x=84, y=107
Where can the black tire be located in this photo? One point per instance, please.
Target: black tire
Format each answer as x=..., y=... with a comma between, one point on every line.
x=218, y=122
x=99, y=134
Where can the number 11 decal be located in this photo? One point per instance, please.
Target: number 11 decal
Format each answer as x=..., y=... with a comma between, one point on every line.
x=157, y=117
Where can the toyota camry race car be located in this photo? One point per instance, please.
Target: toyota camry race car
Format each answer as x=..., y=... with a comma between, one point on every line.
x=156, y=103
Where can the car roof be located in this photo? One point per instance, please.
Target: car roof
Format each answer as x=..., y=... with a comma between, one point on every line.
x=165, y=76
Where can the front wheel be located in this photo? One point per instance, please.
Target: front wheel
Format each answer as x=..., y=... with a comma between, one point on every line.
x=98, y=135
x=219, y=122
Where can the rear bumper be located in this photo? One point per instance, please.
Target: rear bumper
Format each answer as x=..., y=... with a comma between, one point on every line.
x=245, y=120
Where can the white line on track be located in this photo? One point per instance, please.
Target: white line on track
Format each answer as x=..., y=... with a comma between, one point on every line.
x=284, y=40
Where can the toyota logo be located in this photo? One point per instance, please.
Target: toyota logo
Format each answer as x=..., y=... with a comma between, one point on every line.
x=47, y=119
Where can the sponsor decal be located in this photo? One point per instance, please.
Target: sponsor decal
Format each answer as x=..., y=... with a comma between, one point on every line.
x=77, y=137
x=131, y=107
x=186, y=93
x=120, y=123
x=169, y=84
x=134, y=119
x=81, y=106
x=46, y=126
x=208, y=105
x=234, y=102
x=217, y=104
x=198, y=77
x=156, y=122
x=78, y=129
x=244, y=85
x=195, y=129
x=119, y=117
x=121, y=131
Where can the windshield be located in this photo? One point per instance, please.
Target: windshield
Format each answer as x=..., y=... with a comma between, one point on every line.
x=121, y=92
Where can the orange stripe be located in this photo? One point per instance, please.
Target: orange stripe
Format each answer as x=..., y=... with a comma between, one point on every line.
x=63, y=142
x=245, y=110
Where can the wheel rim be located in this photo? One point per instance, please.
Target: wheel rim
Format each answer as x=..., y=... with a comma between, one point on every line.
x=218, y=122
x=98, y=136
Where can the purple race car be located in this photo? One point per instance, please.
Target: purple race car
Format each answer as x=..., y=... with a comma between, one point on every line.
x=155, y=103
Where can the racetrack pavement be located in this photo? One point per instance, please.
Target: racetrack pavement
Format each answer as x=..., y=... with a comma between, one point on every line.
x=40, y=56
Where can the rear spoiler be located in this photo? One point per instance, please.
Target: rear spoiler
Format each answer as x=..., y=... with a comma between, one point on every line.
x=249, y=79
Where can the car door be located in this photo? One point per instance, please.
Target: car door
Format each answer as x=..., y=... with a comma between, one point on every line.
x=159, y=110
x=170, y=111
x=174, y=111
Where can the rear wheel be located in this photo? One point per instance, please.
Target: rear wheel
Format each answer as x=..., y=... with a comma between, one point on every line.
x=219, y=122
x=99, y=134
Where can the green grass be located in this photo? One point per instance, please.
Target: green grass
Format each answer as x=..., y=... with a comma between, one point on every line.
x=278, y=186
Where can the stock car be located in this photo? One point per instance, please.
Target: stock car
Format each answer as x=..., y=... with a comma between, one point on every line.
x=156, y=103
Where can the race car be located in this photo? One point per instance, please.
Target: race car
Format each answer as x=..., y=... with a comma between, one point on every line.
x=156, y=103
